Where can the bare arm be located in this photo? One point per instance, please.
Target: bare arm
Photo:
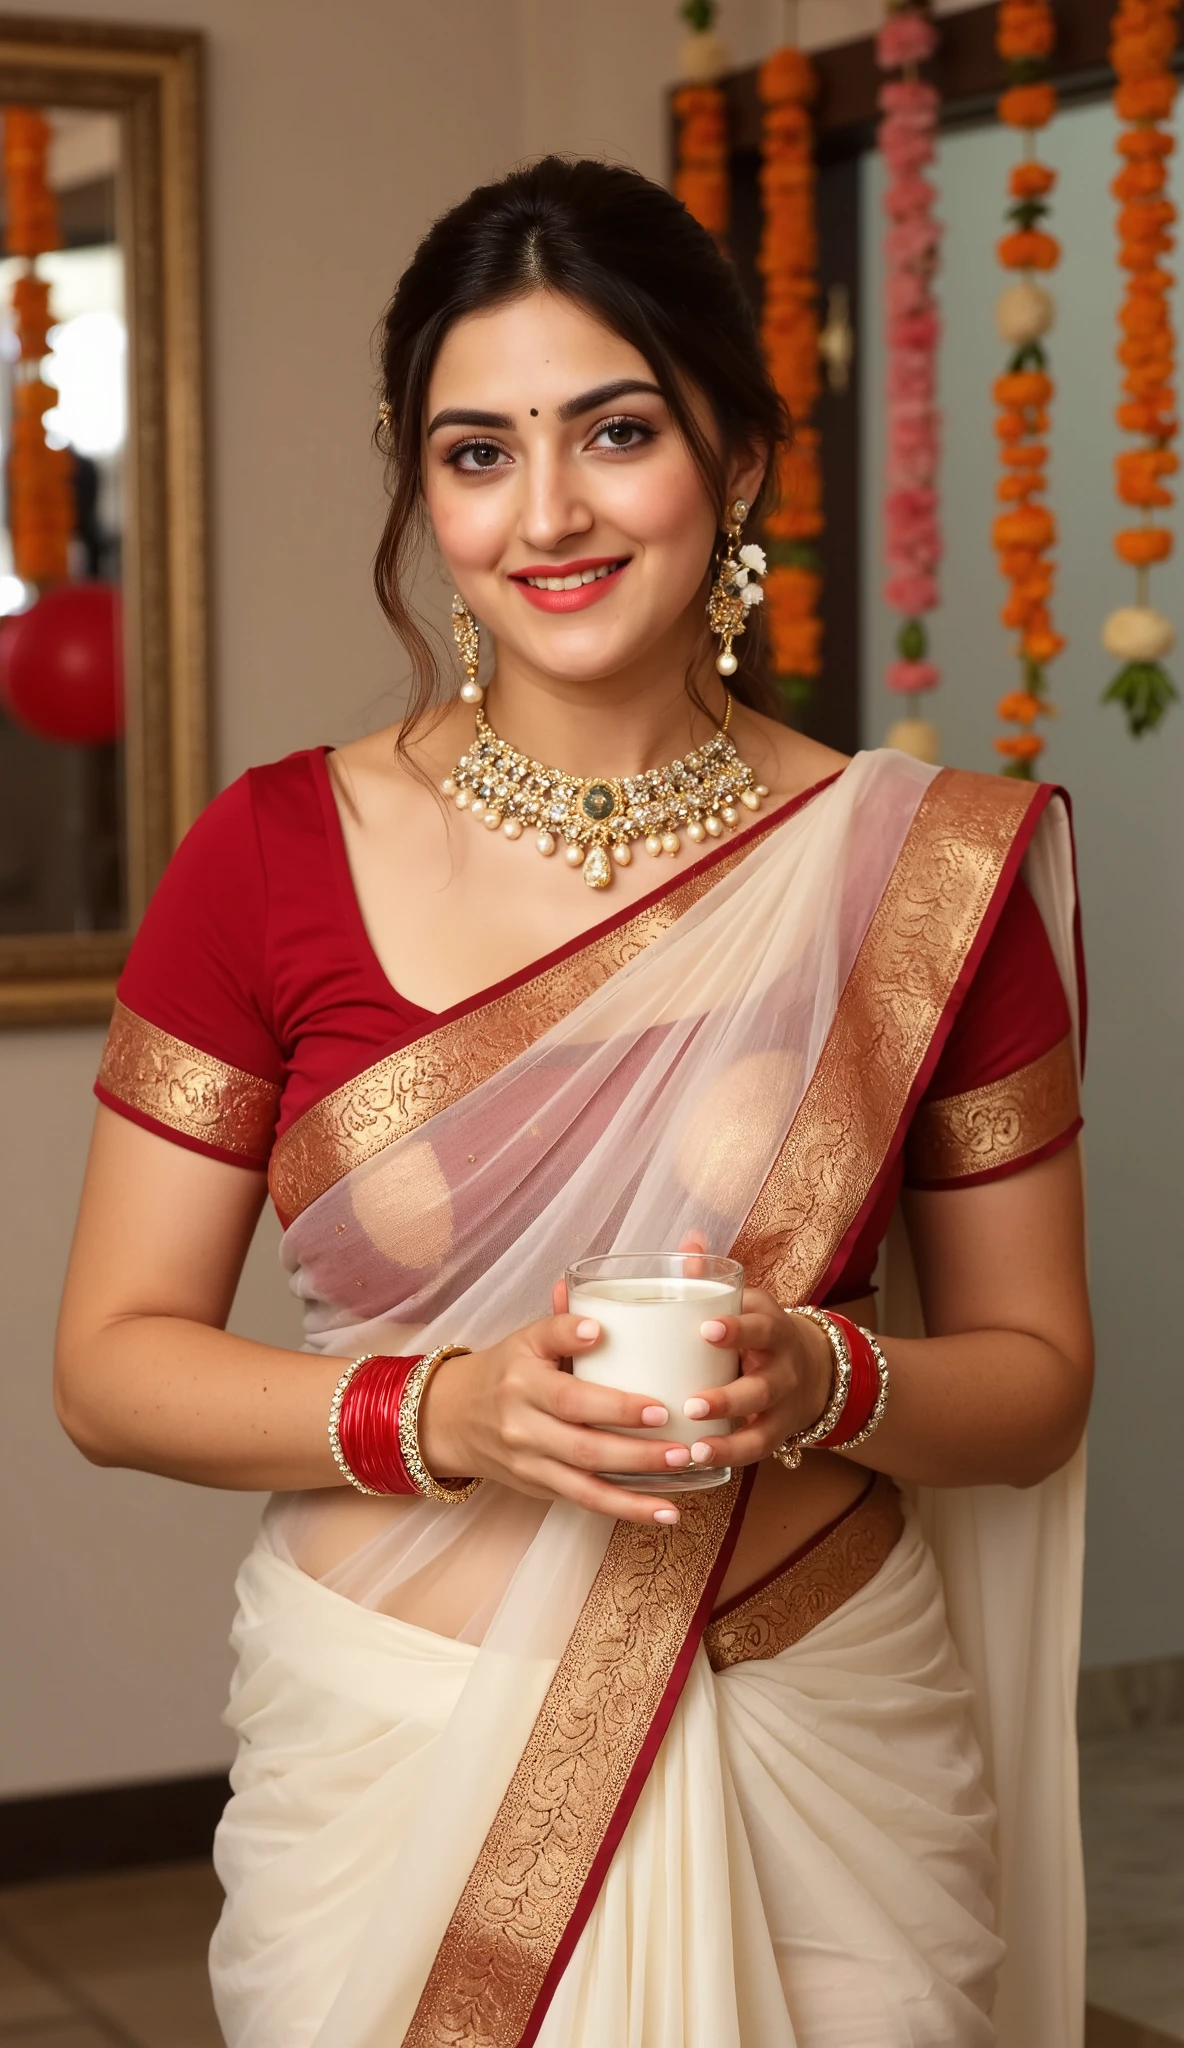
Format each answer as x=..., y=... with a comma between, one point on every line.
x=146, y=1375
x=998, y=1391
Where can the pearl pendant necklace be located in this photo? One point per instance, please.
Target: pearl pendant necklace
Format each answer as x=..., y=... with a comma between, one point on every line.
x=598, y=818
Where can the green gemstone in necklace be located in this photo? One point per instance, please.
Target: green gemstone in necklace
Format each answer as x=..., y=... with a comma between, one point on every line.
x=598, y=822
x=598, y=802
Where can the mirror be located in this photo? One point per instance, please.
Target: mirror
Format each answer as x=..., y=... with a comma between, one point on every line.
x=103, y=690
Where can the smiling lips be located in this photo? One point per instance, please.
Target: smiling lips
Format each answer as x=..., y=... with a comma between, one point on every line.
x=569, y=586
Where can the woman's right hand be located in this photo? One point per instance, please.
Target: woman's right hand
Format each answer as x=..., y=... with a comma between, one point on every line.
x=512, y=1414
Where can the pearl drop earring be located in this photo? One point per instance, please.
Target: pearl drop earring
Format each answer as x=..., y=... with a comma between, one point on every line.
x=467, y=635
x=734, y=591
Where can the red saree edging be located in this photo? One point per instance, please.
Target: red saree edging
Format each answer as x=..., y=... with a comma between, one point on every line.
x=655, y=1737
x=1042, y=794
x=544, y=1858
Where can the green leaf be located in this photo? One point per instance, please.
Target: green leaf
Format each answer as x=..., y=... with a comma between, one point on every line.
x=794, y=554
x=1019, y=771
x=1145, y=691
x=1026, y=212
x=698, y=14
x=1027, y=70
x=796, y=690
x=912, y=642
x=1029, y=356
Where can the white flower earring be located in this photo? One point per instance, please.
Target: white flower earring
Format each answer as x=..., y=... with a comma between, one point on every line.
x=734, y=592
x=467, y=635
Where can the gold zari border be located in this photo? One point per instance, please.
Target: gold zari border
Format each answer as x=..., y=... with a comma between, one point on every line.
x=905, y=972
x=538, y=1855
x=399, y=1093
x=997, y=1124
x=192, y=1092
x=790, y=1605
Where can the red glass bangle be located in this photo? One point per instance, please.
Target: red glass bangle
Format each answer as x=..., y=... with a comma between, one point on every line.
x=368, y=1425
x=863, y=1391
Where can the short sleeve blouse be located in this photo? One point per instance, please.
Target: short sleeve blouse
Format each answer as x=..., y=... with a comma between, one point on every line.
x=251, y=991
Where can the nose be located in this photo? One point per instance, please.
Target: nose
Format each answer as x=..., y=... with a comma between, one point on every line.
x=554, y=507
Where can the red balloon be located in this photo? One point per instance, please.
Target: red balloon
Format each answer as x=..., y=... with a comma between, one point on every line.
x=61, y=665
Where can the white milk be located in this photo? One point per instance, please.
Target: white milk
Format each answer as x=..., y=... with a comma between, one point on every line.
x=650, y=1344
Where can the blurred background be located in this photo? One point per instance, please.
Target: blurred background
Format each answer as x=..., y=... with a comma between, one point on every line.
x=331, y=137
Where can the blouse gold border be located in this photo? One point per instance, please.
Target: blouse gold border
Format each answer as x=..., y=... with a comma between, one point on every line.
x=188, y=1090
x=996, y=1125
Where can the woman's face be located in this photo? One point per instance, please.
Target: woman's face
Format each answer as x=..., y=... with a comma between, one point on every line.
x=550, y=459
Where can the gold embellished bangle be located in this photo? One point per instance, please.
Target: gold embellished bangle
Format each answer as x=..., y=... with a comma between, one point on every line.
x=339, y=1392
x=877, y=1415
x=789, y=1453
x=413, y=1393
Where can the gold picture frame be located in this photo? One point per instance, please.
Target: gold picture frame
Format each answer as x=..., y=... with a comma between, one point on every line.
x=151, y=79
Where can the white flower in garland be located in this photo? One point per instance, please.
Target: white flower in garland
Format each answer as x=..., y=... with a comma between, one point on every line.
x=751, y=594
x=753, y=557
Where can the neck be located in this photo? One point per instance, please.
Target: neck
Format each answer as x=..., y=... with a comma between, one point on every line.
x=613, y=725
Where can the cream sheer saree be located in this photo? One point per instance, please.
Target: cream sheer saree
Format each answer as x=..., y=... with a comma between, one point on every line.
x=489, y=1789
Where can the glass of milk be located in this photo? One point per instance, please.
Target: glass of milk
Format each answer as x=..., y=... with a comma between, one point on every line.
x=649, y=1306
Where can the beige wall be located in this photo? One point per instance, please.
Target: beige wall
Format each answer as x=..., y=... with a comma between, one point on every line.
x=335, y=133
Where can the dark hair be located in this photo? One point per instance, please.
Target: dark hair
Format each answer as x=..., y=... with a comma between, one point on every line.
x=626, y=249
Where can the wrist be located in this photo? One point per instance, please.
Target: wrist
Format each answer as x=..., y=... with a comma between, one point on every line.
x=440, y=1421
x=817, y=1368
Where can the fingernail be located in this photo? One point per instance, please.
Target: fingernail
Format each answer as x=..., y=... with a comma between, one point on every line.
x=713, y=1331
x=665, y=1514
x=696, y=1408
x=701, y=1454
x=587, y=1329
x=655, y=1416
x=678, y=1454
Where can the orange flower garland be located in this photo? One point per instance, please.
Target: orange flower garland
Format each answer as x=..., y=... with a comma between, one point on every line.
x=1024, y=531
x=788, y=261
x=1143, y=38
x=40, y=499
x=701, y=177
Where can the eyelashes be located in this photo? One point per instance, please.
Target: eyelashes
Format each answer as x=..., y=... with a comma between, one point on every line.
x=466, y=456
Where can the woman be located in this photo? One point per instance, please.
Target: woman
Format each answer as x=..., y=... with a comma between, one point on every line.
x=548, y=1760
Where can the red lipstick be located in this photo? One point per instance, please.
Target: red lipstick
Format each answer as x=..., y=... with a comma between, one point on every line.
x=575, y=600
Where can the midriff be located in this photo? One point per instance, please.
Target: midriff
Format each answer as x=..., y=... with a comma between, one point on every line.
x=324, y=1531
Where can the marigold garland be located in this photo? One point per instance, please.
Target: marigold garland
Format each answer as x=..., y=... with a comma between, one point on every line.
x=788, y=263
x=1143, y=38
x=41, y=515
x=907, y=138
x=1024, y=531
x=701, y=177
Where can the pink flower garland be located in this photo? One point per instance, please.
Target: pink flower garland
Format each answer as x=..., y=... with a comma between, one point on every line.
x=907, y=140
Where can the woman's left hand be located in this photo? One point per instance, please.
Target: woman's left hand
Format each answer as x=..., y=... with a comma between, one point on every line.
x=786, y=1369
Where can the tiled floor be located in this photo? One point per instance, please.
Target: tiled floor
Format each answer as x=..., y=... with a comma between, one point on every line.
x=120, y=1961
x=1132, y=1804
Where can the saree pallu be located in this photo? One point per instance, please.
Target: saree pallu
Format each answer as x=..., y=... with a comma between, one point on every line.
x=490, y=1789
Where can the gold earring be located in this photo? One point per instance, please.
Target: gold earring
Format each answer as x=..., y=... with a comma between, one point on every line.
x=467, y=635
x=733, y=590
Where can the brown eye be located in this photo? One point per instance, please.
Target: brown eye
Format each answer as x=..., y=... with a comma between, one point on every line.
x=484, y=455
x=620, y=433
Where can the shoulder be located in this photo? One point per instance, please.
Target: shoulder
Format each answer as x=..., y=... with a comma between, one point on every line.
x=788, y=761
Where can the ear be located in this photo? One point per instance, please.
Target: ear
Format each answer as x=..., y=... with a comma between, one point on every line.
x=746, y=473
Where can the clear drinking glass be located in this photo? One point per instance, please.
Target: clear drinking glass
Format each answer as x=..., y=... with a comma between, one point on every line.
x=649, y=1306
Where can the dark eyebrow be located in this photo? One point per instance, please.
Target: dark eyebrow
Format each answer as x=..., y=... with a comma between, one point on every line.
x=462, y=416
x=605, y=394
x=588, y=401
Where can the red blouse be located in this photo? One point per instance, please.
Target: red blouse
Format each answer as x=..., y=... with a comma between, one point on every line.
x=253, y=953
